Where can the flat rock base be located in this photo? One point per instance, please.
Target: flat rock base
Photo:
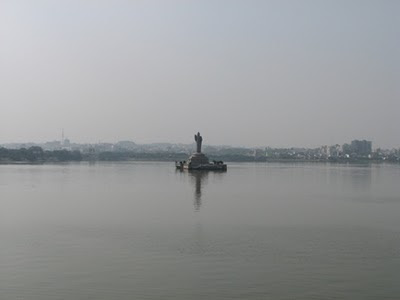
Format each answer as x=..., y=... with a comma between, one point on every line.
x=197, y=159
x=200, y=162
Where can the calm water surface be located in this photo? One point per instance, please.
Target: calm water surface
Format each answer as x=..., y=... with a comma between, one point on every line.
x=145, y=231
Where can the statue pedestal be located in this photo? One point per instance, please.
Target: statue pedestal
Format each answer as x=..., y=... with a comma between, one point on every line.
x=199, y=162
x=197, y=159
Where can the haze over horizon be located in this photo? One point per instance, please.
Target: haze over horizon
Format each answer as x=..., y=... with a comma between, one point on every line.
x=188, y=141
x=243, y=73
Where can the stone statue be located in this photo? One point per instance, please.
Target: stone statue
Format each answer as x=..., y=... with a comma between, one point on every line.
x=199, y=161
x=198, y=138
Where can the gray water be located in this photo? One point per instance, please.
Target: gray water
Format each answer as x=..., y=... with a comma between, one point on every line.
x=146, y=231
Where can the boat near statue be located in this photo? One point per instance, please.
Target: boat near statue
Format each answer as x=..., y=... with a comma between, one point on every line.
x=199, y=161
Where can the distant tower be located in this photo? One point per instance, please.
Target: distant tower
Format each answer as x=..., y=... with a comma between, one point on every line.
x=62, y=137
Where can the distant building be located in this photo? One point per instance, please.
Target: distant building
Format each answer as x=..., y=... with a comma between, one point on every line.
x=362, y=148
x=259, y=153
x=103, y=147
x=335, y=150
x=324, y=151
x=346, y=149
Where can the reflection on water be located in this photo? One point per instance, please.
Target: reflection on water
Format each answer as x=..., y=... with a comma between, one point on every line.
x=198, y=178
x=360, y=178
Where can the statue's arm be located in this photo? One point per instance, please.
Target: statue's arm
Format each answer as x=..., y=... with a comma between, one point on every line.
x=195, y=138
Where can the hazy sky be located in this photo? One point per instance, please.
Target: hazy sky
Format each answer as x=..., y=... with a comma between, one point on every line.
x=273, y=73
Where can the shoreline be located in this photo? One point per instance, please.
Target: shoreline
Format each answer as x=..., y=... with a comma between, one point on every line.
x=339, y=162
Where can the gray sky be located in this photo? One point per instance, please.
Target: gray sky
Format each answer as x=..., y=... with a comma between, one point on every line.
x=273, y=73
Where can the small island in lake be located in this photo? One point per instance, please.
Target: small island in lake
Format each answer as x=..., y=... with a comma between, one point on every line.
x=199, y=161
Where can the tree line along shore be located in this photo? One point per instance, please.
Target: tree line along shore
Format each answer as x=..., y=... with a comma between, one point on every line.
x=36, y=154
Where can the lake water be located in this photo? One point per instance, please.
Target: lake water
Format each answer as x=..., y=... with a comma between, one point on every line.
x=145, y=231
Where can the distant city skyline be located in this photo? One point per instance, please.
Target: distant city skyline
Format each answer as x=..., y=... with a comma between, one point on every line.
x=64, y=137
x=243, y=73
x=65, y=150
x=66, y=141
